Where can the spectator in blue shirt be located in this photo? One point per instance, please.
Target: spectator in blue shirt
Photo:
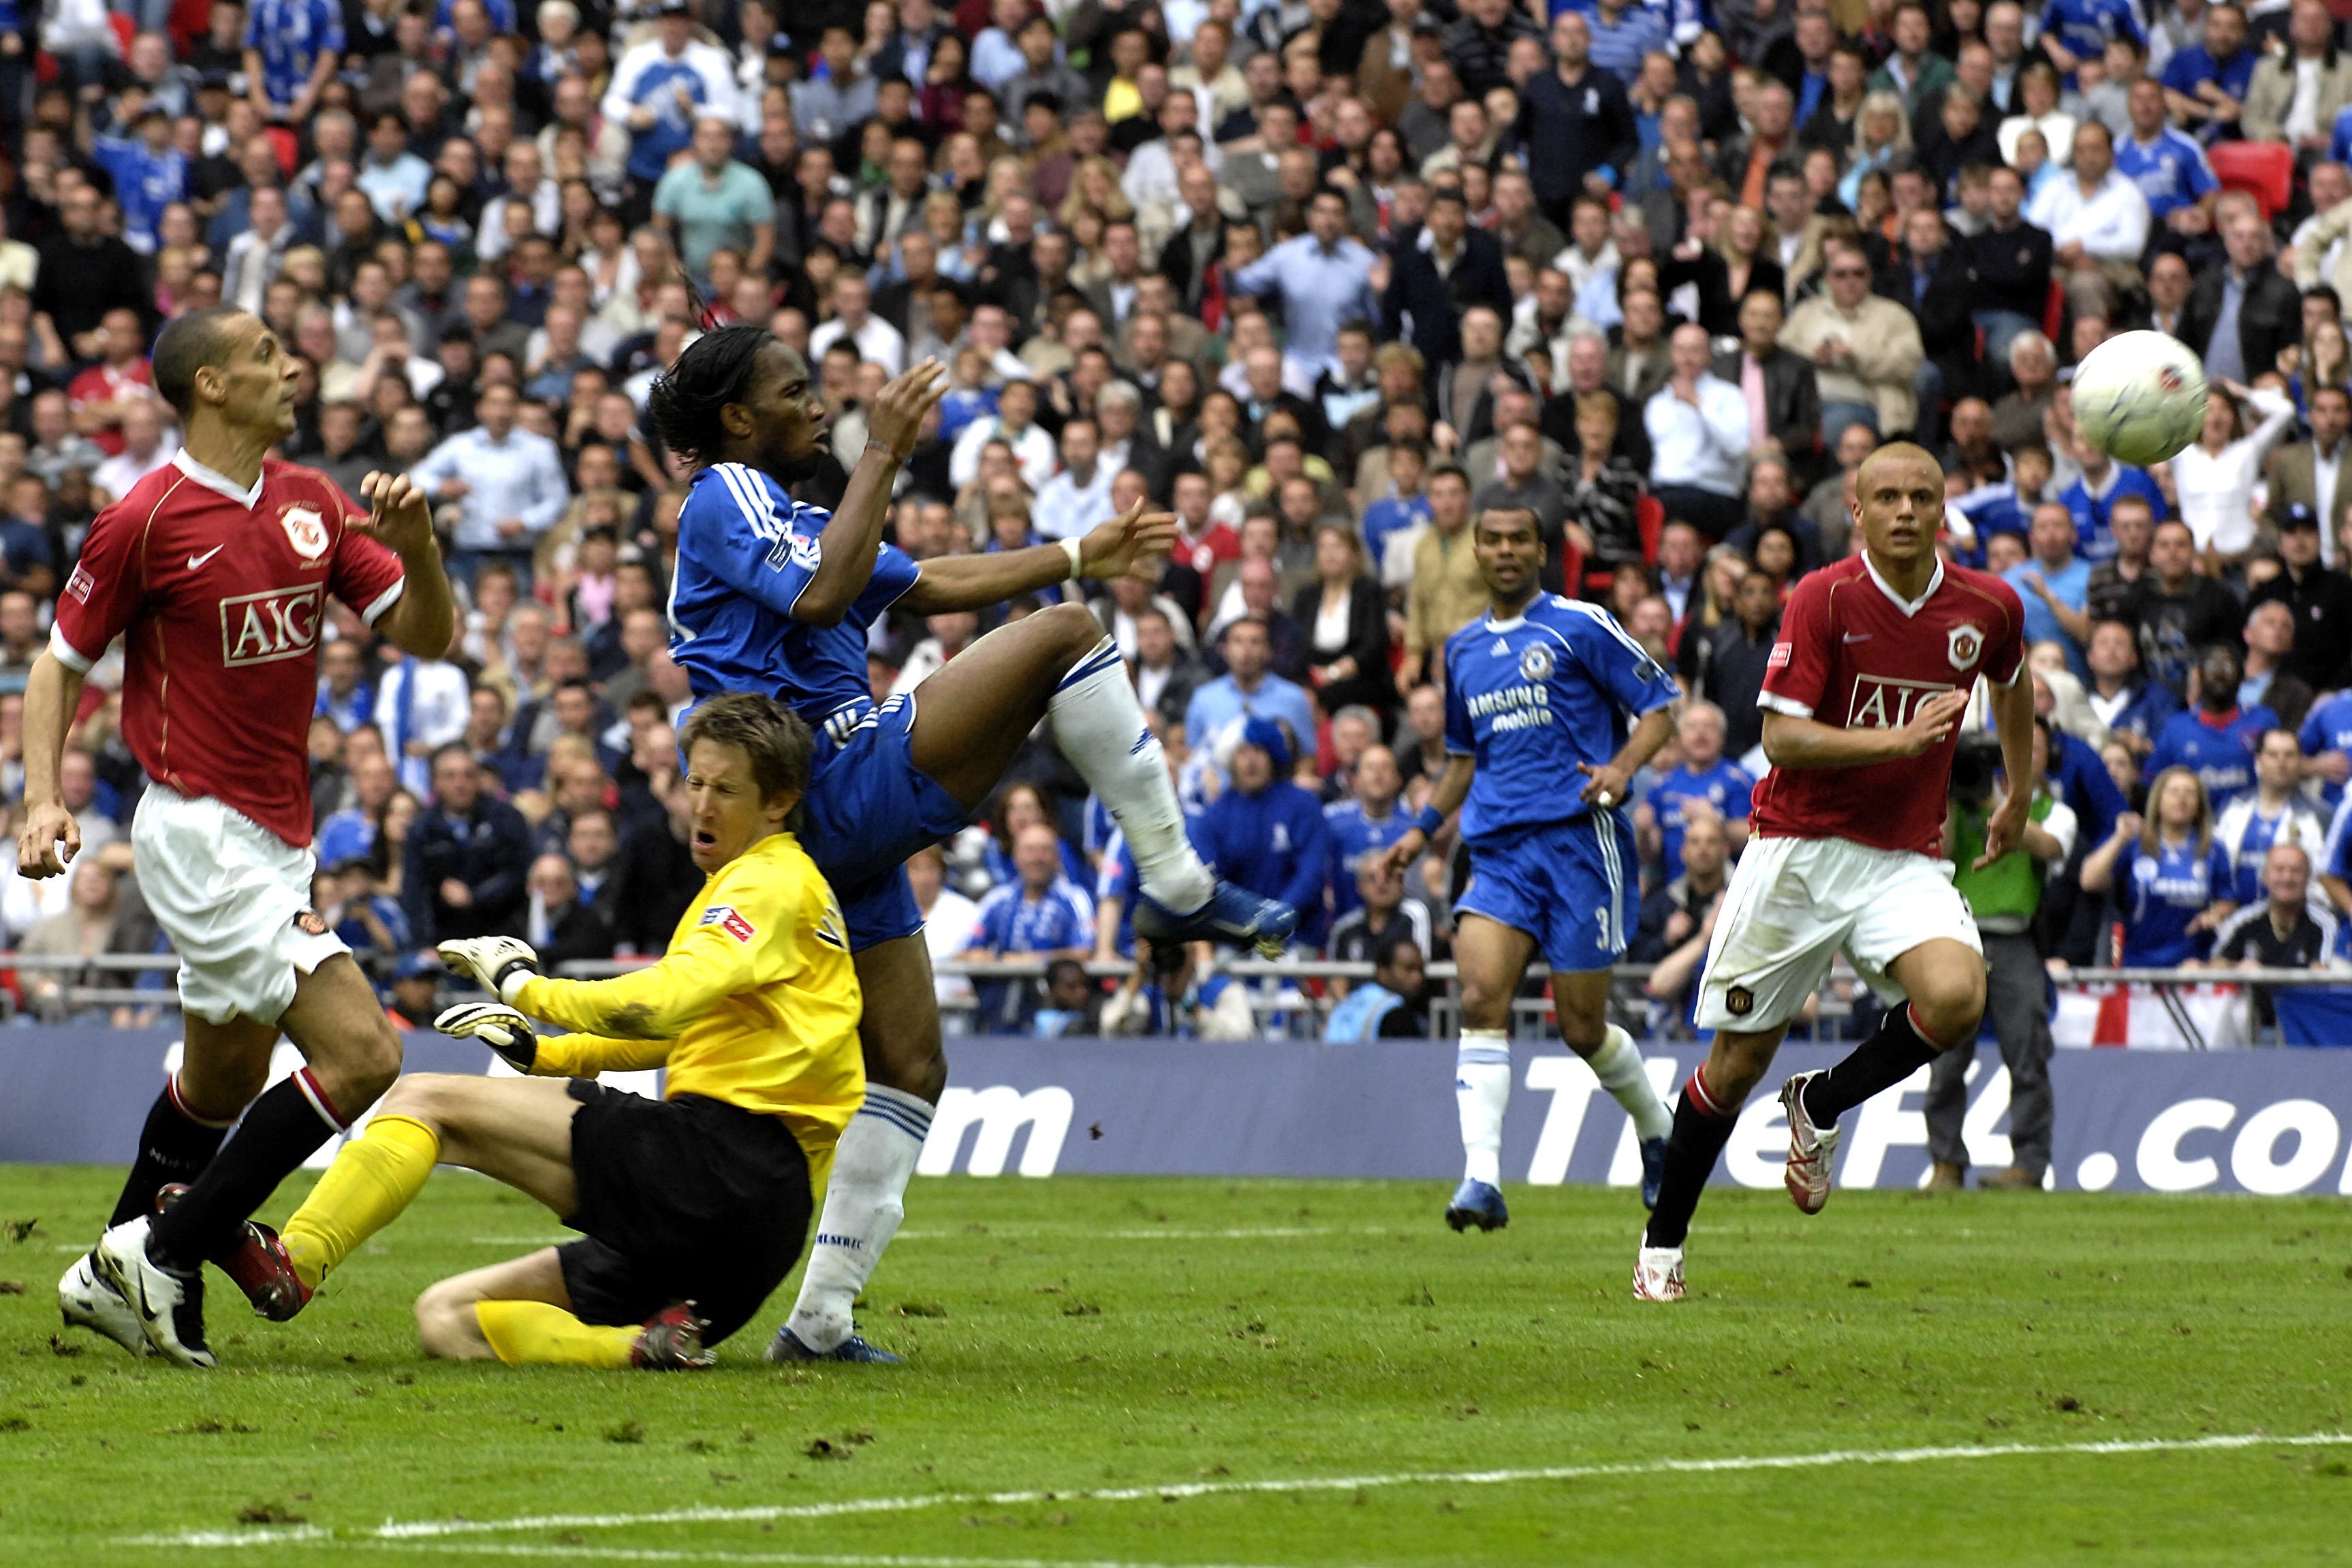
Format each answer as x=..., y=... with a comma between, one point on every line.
x=2074, y=31
x=1040, y=913
x=149, y=172
x=2055, y=586
x=2215, y=741
x=2131, y=706
x=2169, y=168
x=2171, y=881
x=2092, y=497
x=1624, y=33
x=1267, y=834
x=1406, y=506
x=291, y=48
x=2205, y=83
x=1705, y=775
x=1249, y=689
x=1369, y=821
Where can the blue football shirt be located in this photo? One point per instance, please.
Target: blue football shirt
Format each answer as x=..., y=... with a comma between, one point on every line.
x=1532, y=697
x=746, y=554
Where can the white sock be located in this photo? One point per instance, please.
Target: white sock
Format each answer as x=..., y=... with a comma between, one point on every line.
x=863, y=1206
x=1101, y=727
x=1482, y=1089
x=1618, y=1064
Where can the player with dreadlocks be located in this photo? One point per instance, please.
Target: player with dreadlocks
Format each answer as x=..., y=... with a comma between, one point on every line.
x=774, y=596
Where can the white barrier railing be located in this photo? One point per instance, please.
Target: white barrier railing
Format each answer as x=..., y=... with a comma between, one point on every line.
x=1286, y=993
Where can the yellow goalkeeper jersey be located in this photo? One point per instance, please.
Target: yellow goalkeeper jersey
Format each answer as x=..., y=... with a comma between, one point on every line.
x=755, y=1004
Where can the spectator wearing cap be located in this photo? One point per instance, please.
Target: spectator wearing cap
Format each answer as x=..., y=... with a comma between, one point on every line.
x=1268, y=833
x=2310, y=475
x=712, y=202
x=2318, y=596
x=415, y=992
x=660, y=86
x=370, y=921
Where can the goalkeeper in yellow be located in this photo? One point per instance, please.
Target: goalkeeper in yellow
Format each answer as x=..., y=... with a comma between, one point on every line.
x=694, y=1207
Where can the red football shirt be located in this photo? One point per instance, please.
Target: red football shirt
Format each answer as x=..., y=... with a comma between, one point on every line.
x=104, y=384
x=1853, y=655
x=218, y=593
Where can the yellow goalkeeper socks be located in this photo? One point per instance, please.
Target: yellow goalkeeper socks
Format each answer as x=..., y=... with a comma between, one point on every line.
x=534, y=1331
x=374, y=1177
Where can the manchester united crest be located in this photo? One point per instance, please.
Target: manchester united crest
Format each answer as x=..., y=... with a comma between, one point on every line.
x=306, y=530
x=1965, y=646
x=1535, y=662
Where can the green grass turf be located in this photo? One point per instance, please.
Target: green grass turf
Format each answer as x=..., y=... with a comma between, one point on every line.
x=1075, y=1334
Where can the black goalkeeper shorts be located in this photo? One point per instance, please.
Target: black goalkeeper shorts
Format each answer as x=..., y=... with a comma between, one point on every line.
x=680, y=1200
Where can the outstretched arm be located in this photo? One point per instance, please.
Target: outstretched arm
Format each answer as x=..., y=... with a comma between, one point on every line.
x=1133, y=543
x=854, y=538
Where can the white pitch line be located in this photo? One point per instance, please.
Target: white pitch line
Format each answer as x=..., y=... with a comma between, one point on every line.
x=428, y=1529
x=796, y=1558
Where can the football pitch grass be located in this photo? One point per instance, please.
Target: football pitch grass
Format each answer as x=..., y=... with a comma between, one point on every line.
x=1125, y=1372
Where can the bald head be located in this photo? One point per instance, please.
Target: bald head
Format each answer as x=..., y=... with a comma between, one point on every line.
x=1899, y=452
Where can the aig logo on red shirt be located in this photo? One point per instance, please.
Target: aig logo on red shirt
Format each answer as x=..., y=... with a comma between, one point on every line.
x=1881, y=702
x=261, y=628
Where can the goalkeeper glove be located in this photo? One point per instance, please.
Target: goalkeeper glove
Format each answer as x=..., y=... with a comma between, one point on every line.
x=499, y=964
x=501, y=1027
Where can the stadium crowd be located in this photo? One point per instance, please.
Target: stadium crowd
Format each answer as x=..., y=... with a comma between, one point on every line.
x=1326, y=278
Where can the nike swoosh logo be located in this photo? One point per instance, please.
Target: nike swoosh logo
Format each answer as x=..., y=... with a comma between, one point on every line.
x=1857, y=636
x=195, y=563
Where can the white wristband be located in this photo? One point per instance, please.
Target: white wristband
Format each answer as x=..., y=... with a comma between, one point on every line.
x=1076, y=556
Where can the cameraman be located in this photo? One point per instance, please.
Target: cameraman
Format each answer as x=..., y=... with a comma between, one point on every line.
x=2004, y=897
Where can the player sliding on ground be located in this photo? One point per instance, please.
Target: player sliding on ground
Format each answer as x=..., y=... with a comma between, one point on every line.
x=215, y=570
x=1537, y=693
x=775, y=596
x=693, y=1207
x=1862, y=697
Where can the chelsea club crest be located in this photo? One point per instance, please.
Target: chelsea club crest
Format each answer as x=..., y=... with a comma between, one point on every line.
x=1535, y=662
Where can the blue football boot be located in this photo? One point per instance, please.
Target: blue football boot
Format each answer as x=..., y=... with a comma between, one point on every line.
x=1234, y=916
x=1654, y=1170
x=1476, y=1202
x=788, y=1347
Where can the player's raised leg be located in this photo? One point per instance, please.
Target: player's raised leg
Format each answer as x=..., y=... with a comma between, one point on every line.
x=866, y=1199
x=1944, y=979
x=974, y=716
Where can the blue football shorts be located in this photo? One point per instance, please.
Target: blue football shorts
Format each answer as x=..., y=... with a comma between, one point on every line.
x=1573, y=886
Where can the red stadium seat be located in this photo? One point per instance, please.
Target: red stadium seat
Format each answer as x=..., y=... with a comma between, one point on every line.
x=125, y=30
x=2053, y=311
x=1650, y=517
x=2265, y=170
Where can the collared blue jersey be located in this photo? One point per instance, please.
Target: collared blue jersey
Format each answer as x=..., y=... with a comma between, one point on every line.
x=1352, y=834
x=1011, y=921
x=1726, y=786
x=2084, y=26
x=2172, y=174
x=2093, y=540
x=145, y=183
x=1531, y=697
x=2222, y=756
x=2328, y=728
x=2161, y=893
x=746, y=554
x=291, y=36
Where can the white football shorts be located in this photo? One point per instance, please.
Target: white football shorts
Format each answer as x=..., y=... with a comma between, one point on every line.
x=234, y=898
x=1793, y=902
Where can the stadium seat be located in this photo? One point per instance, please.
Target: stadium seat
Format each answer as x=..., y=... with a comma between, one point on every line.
x=126, y=29
x=2264, y=170
x=1650, y=517
x=2054, y=312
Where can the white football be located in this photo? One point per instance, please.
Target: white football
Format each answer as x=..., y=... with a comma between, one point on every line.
x=2139, y=397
